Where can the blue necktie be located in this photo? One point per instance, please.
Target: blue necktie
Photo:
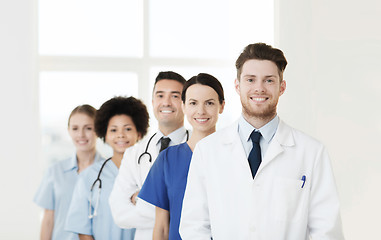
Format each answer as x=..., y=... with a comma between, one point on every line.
x=255, y=157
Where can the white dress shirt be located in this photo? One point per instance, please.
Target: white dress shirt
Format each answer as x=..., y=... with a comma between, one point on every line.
x=268, y=131
x=292, y=197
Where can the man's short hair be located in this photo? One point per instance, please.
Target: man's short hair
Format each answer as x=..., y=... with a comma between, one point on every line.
x=261, y=51
x=170, y=76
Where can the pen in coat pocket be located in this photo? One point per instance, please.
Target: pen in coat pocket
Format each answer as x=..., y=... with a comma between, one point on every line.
x=304, y=180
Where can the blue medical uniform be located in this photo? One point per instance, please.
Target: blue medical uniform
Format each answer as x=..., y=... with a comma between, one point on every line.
x=102, y=226
x=165, y=184
x=56, y=190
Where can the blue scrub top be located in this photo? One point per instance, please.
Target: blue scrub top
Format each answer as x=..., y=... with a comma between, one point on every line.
x=102, y=226
x=56, y=190
x=165, y=184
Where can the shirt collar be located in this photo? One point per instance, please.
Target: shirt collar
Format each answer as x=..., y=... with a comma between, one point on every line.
x=268, y=131
x=73, y=163
x=176, y=136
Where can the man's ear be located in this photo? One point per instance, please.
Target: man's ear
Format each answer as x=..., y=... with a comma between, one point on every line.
x=236, y=85
x=282, y=87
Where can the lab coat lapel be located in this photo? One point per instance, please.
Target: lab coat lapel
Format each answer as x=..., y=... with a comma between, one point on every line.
x=233, y=148
x=283, y=138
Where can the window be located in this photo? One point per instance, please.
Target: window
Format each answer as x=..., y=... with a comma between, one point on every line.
x=112, y=28
x=118, y=46
x=61, y=92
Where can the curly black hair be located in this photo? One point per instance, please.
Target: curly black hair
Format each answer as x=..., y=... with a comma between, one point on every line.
x=129, y=106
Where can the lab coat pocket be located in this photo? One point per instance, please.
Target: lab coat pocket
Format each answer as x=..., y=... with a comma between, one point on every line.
x=288, y=199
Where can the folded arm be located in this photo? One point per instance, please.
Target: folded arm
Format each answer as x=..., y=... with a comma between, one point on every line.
x=125, y=213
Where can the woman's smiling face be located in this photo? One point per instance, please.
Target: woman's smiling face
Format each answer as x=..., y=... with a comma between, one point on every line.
x=202, y=107
x=121, y=133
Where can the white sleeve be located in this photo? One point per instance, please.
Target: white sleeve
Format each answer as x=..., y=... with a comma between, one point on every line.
x=124, y=212
x=194, y=222
x=324, y=220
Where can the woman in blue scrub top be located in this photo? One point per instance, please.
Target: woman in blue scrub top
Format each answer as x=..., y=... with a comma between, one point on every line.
x=120, y=122
x=55, y=191
x=164, y=187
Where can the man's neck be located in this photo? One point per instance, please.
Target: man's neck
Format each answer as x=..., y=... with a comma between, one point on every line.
x=168, y=130
x=257, y=122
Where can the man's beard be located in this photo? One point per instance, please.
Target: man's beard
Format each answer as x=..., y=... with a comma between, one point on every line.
x=264, y=114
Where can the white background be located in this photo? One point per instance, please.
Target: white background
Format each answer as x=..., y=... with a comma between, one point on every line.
x=333, y=93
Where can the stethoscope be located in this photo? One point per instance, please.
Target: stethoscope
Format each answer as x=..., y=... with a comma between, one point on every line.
x=91, y=215
x=148, y=143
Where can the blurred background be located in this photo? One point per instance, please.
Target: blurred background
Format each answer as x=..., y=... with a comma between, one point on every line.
x=55, y=55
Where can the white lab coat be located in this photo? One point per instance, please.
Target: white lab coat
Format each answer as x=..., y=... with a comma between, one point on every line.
x=224, y=202
x=130, y=180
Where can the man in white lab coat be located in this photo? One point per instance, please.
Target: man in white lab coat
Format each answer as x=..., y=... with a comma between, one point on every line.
x=291, y=194
x=127, y=210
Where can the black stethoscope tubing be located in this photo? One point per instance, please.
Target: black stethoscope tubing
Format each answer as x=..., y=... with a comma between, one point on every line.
x=141, y=155
x=99, y=176
x=148, y=143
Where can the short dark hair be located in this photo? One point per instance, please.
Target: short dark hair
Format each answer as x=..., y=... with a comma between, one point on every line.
x=129, y=106
x=85, y=109
x=261, y=51
x=207, y=80
x=170, y=76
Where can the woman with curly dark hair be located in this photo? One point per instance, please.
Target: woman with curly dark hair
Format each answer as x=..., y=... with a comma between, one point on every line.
x=120, y=122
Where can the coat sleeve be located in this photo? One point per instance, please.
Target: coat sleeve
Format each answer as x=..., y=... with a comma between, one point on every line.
x=324, y=220
x=124, y=212
x=194, y=222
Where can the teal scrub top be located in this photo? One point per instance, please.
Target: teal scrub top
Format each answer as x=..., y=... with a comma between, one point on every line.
x=102, y=225
x=55, y=193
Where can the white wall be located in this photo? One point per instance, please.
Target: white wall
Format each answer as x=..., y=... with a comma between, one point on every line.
x=334, y=92
x=333, y=77
x=19, y=143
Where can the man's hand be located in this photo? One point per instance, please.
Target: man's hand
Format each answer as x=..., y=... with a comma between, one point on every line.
x=134, y=197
